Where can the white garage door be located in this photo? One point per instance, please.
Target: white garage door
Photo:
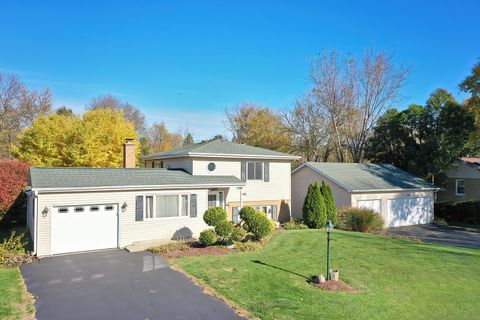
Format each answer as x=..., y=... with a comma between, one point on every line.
x=84, y=227
x=409, y=211
x=375, y=205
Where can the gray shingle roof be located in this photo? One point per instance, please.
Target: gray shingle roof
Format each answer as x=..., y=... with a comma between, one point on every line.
x=370, y=177
x=101, y=177
x=220, y=147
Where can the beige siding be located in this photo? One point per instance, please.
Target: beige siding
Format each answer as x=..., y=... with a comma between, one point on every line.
x=174, y=163
x=385, y=196
x=300, y=182
x=129, y=230
x=472, y=190
x=223, y=167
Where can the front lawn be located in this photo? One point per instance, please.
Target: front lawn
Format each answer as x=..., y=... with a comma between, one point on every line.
x=394, y=279
x=15, y=303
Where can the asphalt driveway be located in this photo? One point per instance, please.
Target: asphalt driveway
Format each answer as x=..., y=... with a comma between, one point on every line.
x=447, y=235
x=117, y=285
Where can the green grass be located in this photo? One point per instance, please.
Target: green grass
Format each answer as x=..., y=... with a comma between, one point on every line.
x=14, y=302
x=394, y=279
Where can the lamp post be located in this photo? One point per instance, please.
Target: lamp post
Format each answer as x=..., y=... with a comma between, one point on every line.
x=328, y=228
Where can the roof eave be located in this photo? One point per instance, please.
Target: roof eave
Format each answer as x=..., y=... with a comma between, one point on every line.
x=223, y=155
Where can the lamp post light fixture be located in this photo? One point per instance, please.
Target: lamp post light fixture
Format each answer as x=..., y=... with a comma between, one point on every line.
x=328, y=229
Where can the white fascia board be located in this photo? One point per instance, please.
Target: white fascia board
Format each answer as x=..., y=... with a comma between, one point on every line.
x=133, y=188
x=395, y=190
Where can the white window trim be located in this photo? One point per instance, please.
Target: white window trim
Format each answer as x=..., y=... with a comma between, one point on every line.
x=154, y=208
x=217, y=200
x=254, y=170
x=456, y=187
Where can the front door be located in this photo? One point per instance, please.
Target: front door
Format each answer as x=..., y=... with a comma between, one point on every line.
x=216, y=199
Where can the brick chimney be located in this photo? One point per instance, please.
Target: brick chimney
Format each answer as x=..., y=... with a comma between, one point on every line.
x=129, y=154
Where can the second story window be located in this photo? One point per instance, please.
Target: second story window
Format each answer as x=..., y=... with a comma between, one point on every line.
x=255, y=170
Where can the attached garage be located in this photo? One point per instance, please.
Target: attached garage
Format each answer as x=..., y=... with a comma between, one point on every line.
x=399, y=197
x=84, y=227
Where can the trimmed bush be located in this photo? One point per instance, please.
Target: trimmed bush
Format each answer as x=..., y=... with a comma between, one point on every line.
x=171, y=247
x=458, y=212
x=224, y=229
x=238, y=234
x=314, y=213
x=207, y=237
x=359, y=219
x=330, y=207
x=294, y=224
x=214, y=215
x=13, y=178
x=246, y=215
x=260, y=226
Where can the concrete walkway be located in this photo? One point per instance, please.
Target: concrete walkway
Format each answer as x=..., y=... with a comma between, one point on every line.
x=117, y=285
x=447, y=235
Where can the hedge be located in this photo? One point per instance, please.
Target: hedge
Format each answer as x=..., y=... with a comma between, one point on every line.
x=13, y=178
x=462, y=212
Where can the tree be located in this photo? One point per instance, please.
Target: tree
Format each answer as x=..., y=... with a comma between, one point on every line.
x=423, y=140
x=13, y=178
x=64, y=111
x=95, y=140
x=188, y=139
x=348, y=97
x=259, y=127
x=131, y=113
x=18, y=108
x=314, y=214
x=471, y=85
x=330, y=207
x=161, y=139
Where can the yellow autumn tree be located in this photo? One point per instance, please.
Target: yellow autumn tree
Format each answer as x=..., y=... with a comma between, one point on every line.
x=94, y=140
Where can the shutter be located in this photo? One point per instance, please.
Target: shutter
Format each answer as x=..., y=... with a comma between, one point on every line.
x=235, y=218
x=244, y=171
x=266, y=171
x=139, y=209
x=274, y=213
x=193, y=206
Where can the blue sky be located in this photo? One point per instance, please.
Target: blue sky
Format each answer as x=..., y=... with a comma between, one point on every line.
x=184, y=62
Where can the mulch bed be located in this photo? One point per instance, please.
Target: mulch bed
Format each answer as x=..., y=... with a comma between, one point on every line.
x=197, y=251
x=335, y=286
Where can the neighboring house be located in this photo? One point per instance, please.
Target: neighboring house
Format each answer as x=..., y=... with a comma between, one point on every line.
x=79, y=209
x=399, y=197
x=463, y=181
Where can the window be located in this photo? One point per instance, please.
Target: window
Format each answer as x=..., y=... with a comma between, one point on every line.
x=212, y=200
x=460, y=187
x=149, y=207
x=62, y=210
x=79, y=209
x=93, y=209
x=184, y=205
x=255, y=170
x=220, y=200
x=153, y=164
x=236, y=215
x=108, y=208
x=166, y=206
x=161, y=164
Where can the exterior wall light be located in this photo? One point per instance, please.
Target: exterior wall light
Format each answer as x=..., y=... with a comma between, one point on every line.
x=45, y=212
x=124, y=206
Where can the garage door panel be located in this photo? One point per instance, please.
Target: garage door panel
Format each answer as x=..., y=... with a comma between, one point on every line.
x=409, y=211
x=83, y=228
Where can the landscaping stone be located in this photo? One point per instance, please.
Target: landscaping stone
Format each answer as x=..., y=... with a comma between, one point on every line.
x=319, y=279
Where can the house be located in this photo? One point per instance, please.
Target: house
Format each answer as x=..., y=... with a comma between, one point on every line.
x=399, y=197
x=463, y=181
x=80, y=209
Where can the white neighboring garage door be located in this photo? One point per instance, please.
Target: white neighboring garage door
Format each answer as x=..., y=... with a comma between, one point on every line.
x=84, y=227
x=375, y=205
x=409, y=211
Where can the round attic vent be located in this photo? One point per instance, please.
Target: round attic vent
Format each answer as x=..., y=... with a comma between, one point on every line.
x=211, y=166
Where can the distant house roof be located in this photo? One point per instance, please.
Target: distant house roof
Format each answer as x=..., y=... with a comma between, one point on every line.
x=131, y=178
x=368, y=177
x=473, y=162
x=221, y=148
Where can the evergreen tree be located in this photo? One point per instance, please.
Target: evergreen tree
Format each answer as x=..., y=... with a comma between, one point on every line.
x=314, y=214
x=188, y=139
x=330, y=207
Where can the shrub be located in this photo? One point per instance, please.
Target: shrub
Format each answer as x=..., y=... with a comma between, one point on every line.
x=224, y=229
x=359, y=219
x=238, y=233
x=13, y=178
x=260, y=226
x=171, y=247
x=330, y=207
x=459, y=212
x=294, y=224
x=246, y=215
x=314, y=214
x=248, y=246
x=214, y=215
x=12, y=251
x=207, y=237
